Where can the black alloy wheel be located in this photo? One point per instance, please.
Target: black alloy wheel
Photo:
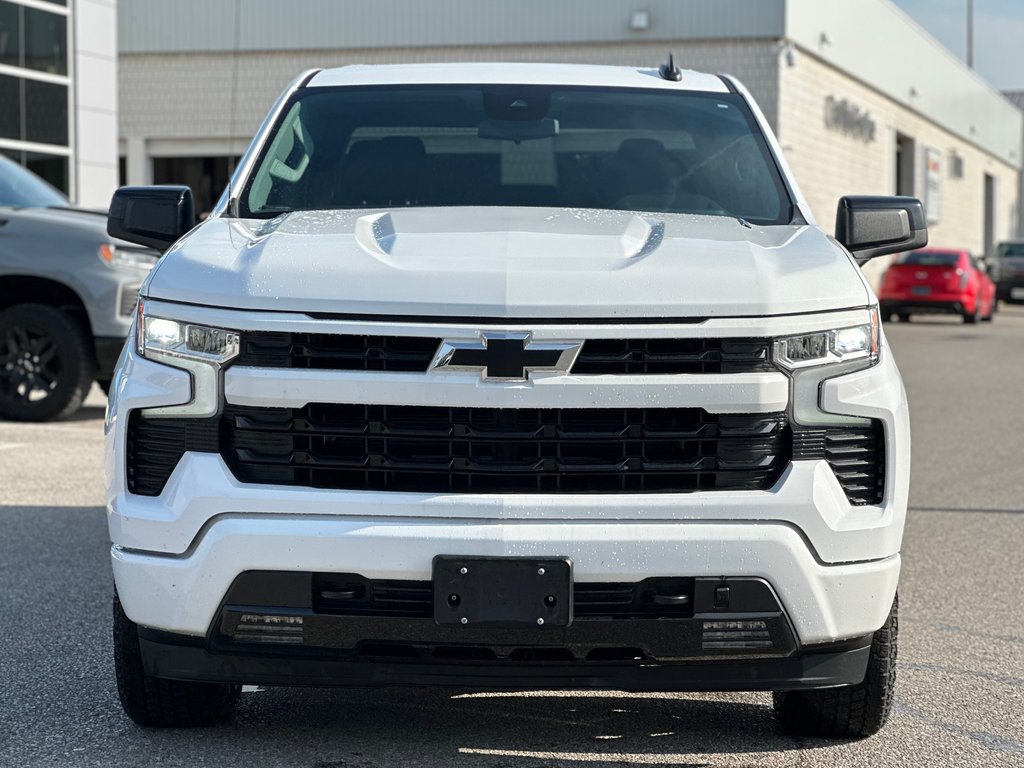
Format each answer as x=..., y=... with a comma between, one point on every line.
x=46, y=363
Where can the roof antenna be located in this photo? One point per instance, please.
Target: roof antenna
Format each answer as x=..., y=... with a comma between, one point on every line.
x=670, y=71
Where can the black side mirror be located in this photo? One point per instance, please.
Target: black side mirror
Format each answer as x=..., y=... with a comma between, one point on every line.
x=152, y=216
x=870, y=226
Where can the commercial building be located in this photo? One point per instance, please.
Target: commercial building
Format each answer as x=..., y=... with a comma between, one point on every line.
x=862, y=98
x=58, y=93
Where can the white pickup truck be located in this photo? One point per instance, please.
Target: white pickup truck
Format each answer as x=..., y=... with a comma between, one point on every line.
x=528, y=376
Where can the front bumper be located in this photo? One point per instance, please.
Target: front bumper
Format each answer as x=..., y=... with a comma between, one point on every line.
x=833, y=565
x=184, y=658
x=1011, y=289
x=955, y=305
x=327, y=629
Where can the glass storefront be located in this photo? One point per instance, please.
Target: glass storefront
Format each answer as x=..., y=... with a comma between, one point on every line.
x=33, y=109
x=33, y=38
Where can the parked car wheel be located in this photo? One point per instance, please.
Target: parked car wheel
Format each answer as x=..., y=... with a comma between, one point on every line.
x=158, y=703
x=46, y=363
x=851, y=711
x=972, y=317
x=903, y=317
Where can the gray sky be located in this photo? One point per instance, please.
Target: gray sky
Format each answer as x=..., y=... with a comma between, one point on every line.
x=998, y=34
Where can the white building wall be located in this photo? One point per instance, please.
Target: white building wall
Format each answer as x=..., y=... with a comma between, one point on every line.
x=880, y=45
x=94, y=100
x=829, y=162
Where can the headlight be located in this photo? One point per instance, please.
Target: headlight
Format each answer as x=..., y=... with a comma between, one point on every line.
x=859, y=342
x=159, y=337
x=113, y=255
x=199, y=349
x=812, y=358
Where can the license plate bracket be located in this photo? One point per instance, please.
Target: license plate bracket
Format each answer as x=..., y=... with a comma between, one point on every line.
x=921, y=290
x=502, y=593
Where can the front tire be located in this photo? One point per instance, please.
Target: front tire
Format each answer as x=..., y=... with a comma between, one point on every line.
x=46, y=363
x=154, y=702
x=853, y=711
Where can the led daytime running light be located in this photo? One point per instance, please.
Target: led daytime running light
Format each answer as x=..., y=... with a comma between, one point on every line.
x=161, y=337
x=832, y=346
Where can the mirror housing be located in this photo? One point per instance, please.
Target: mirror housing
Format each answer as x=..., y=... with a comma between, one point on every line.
x=869, y=226
x=155, y=217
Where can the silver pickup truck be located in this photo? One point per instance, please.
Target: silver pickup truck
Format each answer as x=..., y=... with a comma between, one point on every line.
x=67, y=294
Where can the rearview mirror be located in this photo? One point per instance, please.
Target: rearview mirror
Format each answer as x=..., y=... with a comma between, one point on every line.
x=152, y=216
x=870, y=226
x=518, y=130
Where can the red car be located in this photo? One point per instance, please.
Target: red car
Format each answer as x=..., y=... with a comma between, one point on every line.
x=937, y=280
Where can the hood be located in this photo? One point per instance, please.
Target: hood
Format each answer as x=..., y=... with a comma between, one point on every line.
x=509, y=262
x=76, y=219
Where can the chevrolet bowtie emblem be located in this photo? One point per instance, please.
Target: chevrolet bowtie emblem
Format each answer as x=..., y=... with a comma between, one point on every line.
x=505, y=356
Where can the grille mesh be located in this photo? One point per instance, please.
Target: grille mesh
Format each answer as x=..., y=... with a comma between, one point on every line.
x=337, y=352
x=349, y=594
x=430, y=449
x=673, y=356
x=413, y=354
x=155, y=446
x=856, y=455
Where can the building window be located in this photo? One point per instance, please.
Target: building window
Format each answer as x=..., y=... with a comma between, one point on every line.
x=46, y=112
x=33, y=39
x=10, y=115
x=906, y=165
x=10, y=35
x=35, y=107
x=45, y=41
x=50, y=168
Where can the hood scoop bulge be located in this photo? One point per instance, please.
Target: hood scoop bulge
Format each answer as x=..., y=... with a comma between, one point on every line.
x=377, y=233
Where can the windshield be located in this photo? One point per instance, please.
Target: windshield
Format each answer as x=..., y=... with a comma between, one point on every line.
x=931, y=258
x=1011, y=250
x=624, y=149
x=20, y=188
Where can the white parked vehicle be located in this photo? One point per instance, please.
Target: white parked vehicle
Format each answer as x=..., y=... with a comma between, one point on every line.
x=529, y=376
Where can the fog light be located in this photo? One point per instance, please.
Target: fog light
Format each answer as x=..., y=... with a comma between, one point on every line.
x=269, y=628
x=736, y=636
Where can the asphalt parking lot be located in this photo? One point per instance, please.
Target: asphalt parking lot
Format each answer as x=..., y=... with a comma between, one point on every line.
x=961, y=676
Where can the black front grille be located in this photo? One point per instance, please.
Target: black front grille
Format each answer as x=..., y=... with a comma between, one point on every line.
x=856, y=455
x=672, y=356
x=349, y=594
x=431, y=449
x=156, y=445
x=274, y=349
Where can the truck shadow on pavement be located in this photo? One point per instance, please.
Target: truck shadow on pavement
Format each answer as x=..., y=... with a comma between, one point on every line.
x=388, y=726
